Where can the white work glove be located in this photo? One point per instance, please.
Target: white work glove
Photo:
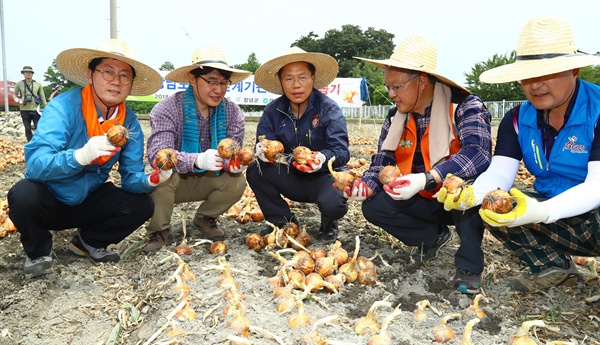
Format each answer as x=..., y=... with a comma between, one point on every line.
x=358, y=192
x=405, y=187
x=260, y=153
x=233, y=166
x=95, y=148
x=314, y=163
x=209, y=160
x=159, y=176
x=527, y=211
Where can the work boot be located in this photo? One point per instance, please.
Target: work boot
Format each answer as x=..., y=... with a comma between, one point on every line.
x=547, y=278
x=426, y=254
x=79, y=247
x=467, y=282
x=328, y=229
x=268, y=229
x=209, y=228
x=38, y=266
x=156, y=240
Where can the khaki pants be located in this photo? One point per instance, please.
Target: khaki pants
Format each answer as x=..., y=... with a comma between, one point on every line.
x=217, y=194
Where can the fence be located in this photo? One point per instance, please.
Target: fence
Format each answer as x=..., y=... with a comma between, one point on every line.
x=497, y=110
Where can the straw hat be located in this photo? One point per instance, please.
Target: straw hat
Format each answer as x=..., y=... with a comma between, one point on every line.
x=546, y=46
x=326, y=69
x=415, y=53
x=207, y=56
x=73, y=64
x=27, y=69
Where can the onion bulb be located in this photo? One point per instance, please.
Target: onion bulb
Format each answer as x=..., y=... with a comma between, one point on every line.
x=273, y=149
x=453, y=184
x=337, y=281
x=227, y=148
x=245, y=155
x=300, y=319
x=342, y=179
x=218, y=247
x=183, y=249
x=349, y=269
x=254, y=242
x=117, y=135
x=443, y=333
x=389, y=173
x=325, y=266
x=317, y=252
x=498, y=201
x=338, y=253
x=368, y=324
x=165, y=159
x=521, y=337
x=302, y=154
x=291, y=229
x=304, y=236
x=474, y=310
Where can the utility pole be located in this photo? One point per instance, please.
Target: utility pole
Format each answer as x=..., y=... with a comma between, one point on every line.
x=5, y=82
x=113, y=18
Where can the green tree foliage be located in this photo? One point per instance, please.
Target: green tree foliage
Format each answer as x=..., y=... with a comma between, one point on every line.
x=56, y=80
x=349, y=42
x=494, y=92
x=167, y=66
x=251, y=65
x=591, y=74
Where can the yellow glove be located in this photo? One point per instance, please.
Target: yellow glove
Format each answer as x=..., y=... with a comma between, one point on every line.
x=462, y=200
x=527, y=211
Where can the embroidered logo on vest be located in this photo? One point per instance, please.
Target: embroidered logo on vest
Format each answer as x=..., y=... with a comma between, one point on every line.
x=572, y=147
x=315, y=121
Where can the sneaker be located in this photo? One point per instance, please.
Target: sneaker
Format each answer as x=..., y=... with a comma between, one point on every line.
x=422, y=254
x=79, y=247
x=38, y=266
x=208, y=227
x=467, y=282
x=549, y=277
x=328, y=231
x=268, y=229
x=156, y=240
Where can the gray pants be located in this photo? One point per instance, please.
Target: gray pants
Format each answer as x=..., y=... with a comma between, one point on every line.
x=217, y=194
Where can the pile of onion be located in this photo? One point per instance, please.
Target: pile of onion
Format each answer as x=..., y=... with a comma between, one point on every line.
x=498, y=201
x=117, y=135
x=6, y=225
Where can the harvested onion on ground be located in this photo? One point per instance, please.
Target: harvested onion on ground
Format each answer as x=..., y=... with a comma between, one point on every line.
x=368, y=324
x=349, y=269
x=443, y=333
x=218, y=247
x=466, y=338
x=474, y=310
x=383, y=338
x=521, y=337
x=420, y=314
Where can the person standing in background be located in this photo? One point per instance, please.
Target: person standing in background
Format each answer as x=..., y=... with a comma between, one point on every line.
x=30, y=95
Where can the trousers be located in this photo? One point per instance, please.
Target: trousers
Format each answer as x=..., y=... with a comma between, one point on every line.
x=29, y=117
x=106, y=217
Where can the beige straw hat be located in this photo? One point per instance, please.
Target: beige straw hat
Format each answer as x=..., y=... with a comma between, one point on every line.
x=207, y=56
x=326, y=69
x=73, y=64
x=546, y=46
x=415, y=53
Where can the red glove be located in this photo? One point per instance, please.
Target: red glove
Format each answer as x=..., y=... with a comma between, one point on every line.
x=233, y=166
x=314, y=163
x=358, y=192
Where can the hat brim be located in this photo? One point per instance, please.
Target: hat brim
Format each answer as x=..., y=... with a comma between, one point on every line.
x=181, y=74
x=73, y=64
x=383, y=64
x=326, y=70
x=526, y=69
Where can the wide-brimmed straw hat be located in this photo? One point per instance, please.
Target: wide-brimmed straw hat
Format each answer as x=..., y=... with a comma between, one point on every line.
x=207, y=56
x=326, y=69
x=415, y=53
x=27, y=69
x=73, y=64
x=546, y=46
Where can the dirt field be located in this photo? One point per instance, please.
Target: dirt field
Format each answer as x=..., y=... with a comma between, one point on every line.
x=169, y=299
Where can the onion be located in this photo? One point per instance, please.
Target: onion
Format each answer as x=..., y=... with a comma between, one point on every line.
x=338, y=253
x=337, y=281
x=183, y=249
x=256, y=214
x=227, y=148
x=498, y=201
x=317, y=252
x=273, y=149
x=383, y=338
x=454, y=184
x=165, y=159
x=389, y=173
x=296, y=277
x=315, y=282
x=443, y=333
x=305, y=264
x=300, y=319
x=218, y=247
x=291, y=229
x=474, y=310
x=349, y=269
x=302, y=154
x=368, y=324
x=117, y=135
x=245, y=155
x=254, y=242
x=304, y=236
x=342, y=179
x=325, y=266
x=286, y=305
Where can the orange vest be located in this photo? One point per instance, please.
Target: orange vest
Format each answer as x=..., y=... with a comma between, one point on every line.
x=405, y=153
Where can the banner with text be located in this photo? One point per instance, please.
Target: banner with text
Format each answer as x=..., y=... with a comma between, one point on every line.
x=344, y=91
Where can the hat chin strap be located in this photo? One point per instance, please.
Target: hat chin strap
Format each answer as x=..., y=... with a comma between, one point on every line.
x=106, y=105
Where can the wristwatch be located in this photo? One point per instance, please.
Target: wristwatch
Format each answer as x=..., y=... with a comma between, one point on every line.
x=430, y=183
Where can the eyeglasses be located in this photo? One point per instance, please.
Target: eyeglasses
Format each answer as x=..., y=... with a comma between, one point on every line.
x=395, y=89
x=125, y=79
x=302, y=80
x=215, y=84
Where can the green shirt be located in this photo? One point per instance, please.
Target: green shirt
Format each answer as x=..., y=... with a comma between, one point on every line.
x=21, y=91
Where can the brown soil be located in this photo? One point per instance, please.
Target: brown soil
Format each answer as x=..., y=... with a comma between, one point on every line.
x=82, y=303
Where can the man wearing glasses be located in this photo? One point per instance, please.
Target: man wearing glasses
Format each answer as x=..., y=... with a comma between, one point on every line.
x=70, y=157
x=437, y=128
x=192, y=123
x=302, y=116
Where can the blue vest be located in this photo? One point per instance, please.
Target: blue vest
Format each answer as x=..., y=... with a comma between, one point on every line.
x=567, y=166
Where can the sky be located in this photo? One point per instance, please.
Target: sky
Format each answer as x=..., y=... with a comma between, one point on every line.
x=465, y=32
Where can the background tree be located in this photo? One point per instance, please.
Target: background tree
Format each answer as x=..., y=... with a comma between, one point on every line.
x=56, y=80
x=494, y=92
x=591, y=74
x=167, y=66
x=349, y=42
x=251, y=65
